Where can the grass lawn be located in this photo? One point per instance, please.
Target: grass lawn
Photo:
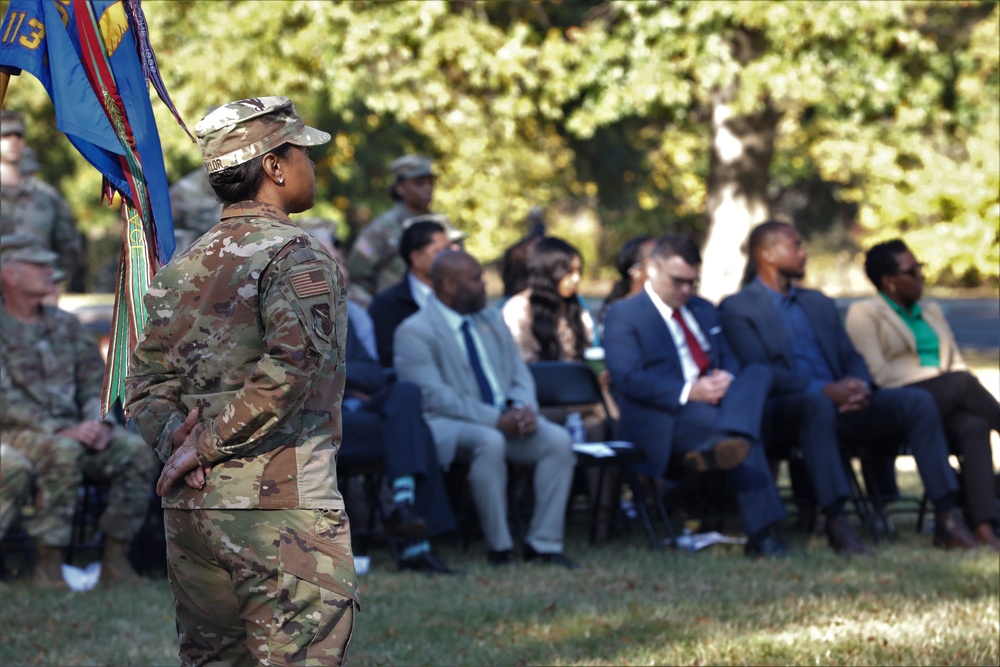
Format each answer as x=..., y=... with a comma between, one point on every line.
x=913, y=604
x=627, y=605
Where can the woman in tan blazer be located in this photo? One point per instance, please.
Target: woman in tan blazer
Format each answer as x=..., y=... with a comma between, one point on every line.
x=906, y=341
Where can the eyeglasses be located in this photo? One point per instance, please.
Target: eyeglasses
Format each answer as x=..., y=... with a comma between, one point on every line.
x=914, y=271
x=684, y=282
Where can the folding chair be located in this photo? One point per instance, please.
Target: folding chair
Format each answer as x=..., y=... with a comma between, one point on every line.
x=562, y=384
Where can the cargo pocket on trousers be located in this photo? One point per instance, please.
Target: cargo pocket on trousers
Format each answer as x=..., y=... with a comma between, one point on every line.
x=317, y=598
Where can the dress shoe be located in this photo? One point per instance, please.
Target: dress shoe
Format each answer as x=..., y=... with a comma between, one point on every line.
x=768, y=543
x=404, y=522
x=986, y=536
x=502, y=557
x=950, y=531
x=722, y=453
x=843, y=539
x=427, y=563
x=532, y=556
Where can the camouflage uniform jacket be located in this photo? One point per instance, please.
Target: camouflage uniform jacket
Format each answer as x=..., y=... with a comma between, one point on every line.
x=374, y=262
x=37, y=208
x=51, y=373
x=249, y=325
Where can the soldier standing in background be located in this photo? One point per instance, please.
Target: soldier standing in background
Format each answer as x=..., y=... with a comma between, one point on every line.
x=51, y=376
x=195, y=206
x=30, y=205
x=374, y=262
x=237, y=382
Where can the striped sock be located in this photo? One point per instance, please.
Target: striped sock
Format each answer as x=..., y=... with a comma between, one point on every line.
x=415, y=549
x=402, y=489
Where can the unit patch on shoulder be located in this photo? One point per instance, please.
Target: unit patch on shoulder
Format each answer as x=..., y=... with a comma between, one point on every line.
x=310, y=283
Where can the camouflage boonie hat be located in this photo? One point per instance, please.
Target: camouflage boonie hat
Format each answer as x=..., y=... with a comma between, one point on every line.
x=412, y=166
x=23, y=247
x=11, y=122
x=454, y=235
x=240, y=131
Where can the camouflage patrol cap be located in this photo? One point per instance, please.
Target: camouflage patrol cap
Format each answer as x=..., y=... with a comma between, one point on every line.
x=240, y=131
x=412, y=166
x=11, y=122
x=22, y=247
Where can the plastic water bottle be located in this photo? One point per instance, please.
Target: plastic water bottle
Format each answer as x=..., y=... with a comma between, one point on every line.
x=574, y=424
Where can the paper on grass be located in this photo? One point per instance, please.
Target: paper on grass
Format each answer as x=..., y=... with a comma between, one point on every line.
x=699, y=541
x=82, y=579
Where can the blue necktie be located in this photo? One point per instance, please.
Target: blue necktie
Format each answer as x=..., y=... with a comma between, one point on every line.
x=477, y=366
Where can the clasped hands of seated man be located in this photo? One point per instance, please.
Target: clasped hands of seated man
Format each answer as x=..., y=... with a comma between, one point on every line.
x=848, y=394
x=183, y=462
x=94, y=435
x=517, y=421
x=711, y=387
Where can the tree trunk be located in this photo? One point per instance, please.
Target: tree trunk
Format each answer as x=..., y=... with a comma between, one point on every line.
x=737, y=193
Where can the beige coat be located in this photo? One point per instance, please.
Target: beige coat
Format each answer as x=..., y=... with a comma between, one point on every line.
x=889, y=346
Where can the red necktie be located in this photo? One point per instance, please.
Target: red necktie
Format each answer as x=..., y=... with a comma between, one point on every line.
x=697, y=353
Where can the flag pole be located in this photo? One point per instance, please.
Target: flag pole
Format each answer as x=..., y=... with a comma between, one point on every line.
x=4, y=79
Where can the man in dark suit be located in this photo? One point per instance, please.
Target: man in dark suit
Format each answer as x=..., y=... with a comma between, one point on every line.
x=420, y=243
x=681, y=391
x=479, y=401
x=823, y=392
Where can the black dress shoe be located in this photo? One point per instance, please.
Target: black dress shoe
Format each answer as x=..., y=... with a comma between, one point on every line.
x=532, y=556
x=842, y=538
x=503, y=557
x=768, y=543
x=950, y=531
x=722, y=453
x=404, y=522
x=427, y=563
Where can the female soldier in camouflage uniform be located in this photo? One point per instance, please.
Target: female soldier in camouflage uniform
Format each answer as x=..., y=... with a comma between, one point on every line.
x=237, y=383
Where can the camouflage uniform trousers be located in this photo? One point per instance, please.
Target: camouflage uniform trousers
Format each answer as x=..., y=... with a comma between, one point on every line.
x=61, y=464
x=262, y=587
x=15, y=481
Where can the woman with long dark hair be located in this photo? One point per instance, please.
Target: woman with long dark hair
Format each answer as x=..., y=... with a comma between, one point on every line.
x=631, y=264
x=548, y=320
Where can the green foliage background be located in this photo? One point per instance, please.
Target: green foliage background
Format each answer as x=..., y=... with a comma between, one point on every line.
x=600, y=111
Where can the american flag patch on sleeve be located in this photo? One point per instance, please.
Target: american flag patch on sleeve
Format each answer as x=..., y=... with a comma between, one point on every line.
x=311, y=283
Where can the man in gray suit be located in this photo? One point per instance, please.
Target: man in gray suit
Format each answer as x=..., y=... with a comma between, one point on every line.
x=479, y=402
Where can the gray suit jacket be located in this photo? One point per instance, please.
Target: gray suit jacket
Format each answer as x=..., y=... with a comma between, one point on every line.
x=427, y=353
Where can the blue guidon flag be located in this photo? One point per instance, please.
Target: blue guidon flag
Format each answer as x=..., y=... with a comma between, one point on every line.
x=94, y=59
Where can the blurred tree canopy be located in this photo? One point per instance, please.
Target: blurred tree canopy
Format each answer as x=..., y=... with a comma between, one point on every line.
x=619, y=117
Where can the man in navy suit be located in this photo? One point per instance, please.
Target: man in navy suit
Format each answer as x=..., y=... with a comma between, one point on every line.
x=420, y=243
x=682, y=392
x=823, y=392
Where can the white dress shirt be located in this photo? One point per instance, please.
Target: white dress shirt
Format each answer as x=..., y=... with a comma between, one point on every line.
x=421, y=291
x=688, y=365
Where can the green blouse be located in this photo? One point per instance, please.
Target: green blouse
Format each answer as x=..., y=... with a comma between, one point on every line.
x=928, y=347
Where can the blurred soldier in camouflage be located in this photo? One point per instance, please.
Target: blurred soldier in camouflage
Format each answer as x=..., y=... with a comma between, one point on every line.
x=237, y=383
x=51, y=375
x=374, y=261
x=195, y=206
x=15, y=482
x=30, y=205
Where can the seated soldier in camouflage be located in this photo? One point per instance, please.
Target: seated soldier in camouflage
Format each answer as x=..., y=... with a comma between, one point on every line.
x=51, y=375
x=15, y=482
